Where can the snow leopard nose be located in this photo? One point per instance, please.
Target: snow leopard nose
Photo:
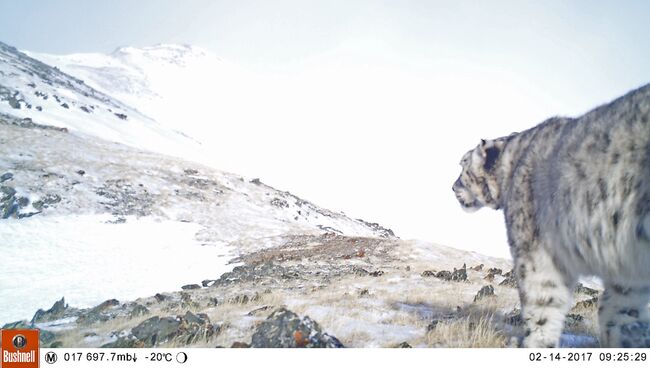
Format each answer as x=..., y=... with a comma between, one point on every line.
x=457, y=184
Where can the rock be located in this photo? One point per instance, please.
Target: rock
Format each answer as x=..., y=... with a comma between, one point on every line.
x=486, y=291
x=586, y=290
x=207, y=283
x=6, y=192
x=18, y=325
x=81, y=172
x=8, y=204
x=45, y=337
x=573, y=320
x=239, y=345
x=364, y=292
x=403, y=345
x=429, y=273
x=122, y=198
x=138, y=310
x=185, y=330
x=187, y=302
x=56, y=344
x=256, y=181
x=191, y=287
x=495, y=271
x=57, y=311
x=509, y=281
x=258, y=310
x=160, y=297
x=121, y=116
x=514, y=318
x=213, y=302
x=360, y=271
x=46, y=201
x=457, y=275
x=128, y=342
x=156, y=330
x=100, y=313
x=106, y=305
x=280, y=203
x=586, y=304
x=256, y=273
x=284, y=329
x=376, y=273
x=6, y=176
x=433, y=324
x=477, y=268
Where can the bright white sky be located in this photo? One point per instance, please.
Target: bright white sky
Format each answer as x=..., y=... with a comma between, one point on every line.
x=367, y=106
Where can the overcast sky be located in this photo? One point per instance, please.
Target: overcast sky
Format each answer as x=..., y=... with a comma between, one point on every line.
x=384, y=97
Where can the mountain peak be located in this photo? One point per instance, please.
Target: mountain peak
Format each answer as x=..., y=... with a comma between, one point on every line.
x=166, y=52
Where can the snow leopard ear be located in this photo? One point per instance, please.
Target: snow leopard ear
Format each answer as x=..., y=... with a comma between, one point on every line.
x=490, y=152
x=491, y=156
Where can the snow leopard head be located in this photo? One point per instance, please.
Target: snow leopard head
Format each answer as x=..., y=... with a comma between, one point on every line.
x=477, y=185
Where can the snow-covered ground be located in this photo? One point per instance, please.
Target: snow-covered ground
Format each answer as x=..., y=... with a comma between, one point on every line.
x=87, y=260
x=32, y=89
x=92, y=220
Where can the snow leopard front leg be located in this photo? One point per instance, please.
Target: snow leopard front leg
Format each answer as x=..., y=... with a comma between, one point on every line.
x=545, y=286
x=546, y=294
x=624, y=317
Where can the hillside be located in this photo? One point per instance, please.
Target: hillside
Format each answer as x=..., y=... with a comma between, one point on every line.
x=103, y=204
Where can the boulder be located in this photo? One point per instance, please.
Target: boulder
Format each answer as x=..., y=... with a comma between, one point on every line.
x=138, y=310
x=285, y=329
x=6, y=176
x=191, y=287
x=100, y=313
x=514, y=318
x=457, y=275
x=486, y=291
x=586, y=304
x=185, y=329
x=57, y=311
x=509, y=281
x=478, y=267
x=586, y=290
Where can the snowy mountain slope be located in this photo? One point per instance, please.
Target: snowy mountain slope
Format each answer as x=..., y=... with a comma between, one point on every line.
x=182, y=87
x=67, y=199
x=32, y=89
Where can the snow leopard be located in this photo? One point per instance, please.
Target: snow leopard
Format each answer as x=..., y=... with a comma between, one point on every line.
x=575, y=193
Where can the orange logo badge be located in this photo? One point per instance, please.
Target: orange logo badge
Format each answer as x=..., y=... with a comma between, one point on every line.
x=19, y=349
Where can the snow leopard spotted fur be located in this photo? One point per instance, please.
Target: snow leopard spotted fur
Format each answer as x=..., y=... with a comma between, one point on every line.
x=575, y=193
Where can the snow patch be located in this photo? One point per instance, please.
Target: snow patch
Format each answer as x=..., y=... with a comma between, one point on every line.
x=88, y=260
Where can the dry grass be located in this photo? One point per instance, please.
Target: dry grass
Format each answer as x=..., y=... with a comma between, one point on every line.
x=467, y=333
x=76, y=337
x=589, y=325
